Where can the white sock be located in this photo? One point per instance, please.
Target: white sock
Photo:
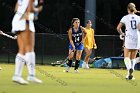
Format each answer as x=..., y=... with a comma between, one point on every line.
x=19, y=64
x=127, y=73
x=30, y=61
x=87, y=65
x=127, y=62
x=84, y=64
x=133, y=63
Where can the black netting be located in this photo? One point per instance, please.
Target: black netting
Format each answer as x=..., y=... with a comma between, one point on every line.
x=52, y=47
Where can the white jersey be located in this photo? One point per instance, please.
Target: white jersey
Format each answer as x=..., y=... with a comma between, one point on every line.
x=19, y=23
x=132, y=34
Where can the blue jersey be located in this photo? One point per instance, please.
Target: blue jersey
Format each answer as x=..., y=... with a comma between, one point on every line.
x=77, y=36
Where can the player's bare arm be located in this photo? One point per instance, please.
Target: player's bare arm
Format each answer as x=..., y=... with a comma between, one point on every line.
x=84, y=34
x=70, y=38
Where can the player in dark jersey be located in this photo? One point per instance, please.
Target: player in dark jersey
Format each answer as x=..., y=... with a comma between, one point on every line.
x=76, y=36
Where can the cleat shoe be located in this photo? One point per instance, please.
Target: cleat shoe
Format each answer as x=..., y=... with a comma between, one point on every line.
x=84, y=65
x=130, y=74
x=133, y=78
x=76, y=71
x=127, y=77
x=34, y=79
x=68, y=69
x=19, y=80
x=87, y=67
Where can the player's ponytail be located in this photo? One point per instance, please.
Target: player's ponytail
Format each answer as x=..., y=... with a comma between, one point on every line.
x=137, y=11
x=132, y=8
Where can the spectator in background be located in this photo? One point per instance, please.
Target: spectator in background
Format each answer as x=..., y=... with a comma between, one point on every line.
x=89, y=44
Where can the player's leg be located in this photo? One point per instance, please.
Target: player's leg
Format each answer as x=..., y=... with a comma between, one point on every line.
x=29, y=38
x=78, y=57
x=20, y=60
x=30, y=55
x=79, y=51
x=127, y=60
x=86, y=59
x=70, y=57
x=71, y=54
x=133, y=57
x=133, y=60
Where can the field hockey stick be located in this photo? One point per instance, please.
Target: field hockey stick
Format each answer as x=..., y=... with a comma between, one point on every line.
x=62, y=61
x=65, y=61
x=9, y=36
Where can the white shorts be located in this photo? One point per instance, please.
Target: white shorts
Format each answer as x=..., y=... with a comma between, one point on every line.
x=20, y=24
x=132, y=41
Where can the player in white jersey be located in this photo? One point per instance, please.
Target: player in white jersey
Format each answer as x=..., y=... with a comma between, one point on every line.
x=132, y=38
x=23, y=27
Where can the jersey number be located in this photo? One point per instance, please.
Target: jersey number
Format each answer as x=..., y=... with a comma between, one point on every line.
x=77, y=39
x=133, y=24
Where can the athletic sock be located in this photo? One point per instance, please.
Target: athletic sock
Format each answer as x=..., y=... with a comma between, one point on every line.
x=77, y=64
x=127, y=62
x=133, y=64
x=69, y=63
x=30, y=61
x=128, y=65
x=19, y=64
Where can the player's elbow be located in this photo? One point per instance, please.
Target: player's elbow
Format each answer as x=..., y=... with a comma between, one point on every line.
x=118, y=28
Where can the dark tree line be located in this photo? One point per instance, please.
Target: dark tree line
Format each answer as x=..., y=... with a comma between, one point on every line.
x=57, y=15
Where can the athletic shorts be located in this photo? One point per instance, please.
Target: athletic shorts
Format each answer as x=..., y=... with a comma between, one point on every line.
x=132, y=41
x=20, y=24
x=77, y=47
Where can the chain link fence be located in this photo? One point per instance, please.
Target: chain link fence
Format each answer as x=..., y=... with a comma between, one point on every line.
x=52, y=47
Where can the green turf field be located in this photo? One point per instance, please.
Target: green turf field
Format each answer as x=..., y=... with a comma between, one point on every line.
x=57, y=81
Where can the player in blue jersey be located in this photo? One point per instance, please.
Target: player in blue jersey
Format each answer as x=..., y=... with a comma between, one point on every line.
x=76, y=36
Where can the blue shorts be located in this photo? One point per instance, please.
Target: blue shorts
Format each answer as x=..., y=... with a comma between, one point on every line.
x=77, y=47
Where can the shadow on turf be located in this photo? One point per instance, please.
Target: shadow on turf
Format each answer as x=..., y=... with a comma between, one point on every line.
x=63, y=83
x=122, y=77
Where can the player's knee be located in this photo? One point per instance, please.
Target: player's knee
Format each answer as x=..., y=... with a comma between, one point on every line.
x=29, y=48
x=21, y=51
x=70, y=57
x=88, y=54
x=126, y=59
x=78, y=57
